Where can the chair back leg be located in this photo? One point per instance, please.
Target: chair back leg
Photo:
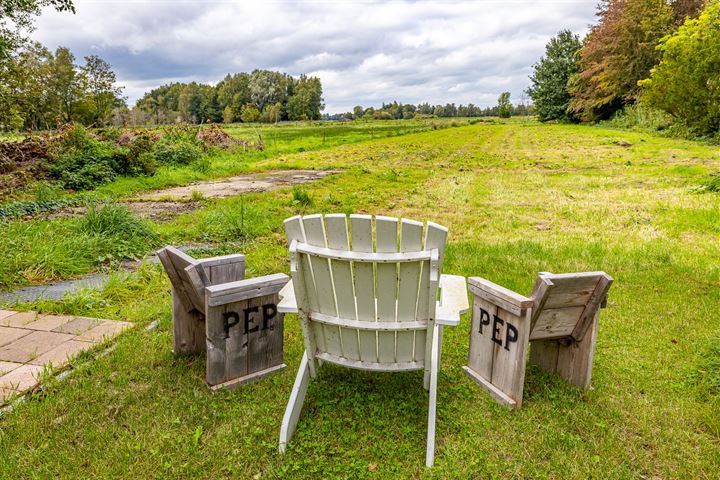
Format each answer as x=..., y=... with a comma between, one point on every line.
x=294, y=406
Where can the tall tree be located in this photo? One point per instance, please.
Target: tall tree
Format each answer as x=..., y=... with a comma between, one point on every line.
x=99, y=84
x=65, y=88
x=686, y=83
x=617, y=53
x=505, y=108
x=549, y=90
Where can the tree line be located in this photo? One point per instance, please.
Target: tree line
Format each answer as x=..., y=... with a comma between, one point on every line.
x=664, y=54
x=262, y=95
x=399, y=111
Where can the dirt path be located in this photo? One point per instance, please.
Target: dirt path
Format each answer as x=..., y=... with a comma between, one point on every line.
x=233, y=186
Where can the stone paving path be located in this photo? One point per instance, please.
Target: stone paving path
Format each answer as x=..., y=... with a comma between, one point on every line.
x=29, y=341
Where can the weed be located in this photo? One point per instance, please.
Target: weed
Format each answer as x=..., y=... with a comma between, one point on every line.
x=301, y=197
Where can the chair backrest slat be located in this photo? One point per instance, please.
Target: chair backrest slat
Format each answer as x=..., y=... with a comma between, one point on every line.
x=408, y=287
x=362, y=241
x=386, y=241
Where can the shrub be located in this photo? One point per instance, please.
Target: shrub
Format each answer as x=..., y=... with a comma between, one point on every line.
x=177, y=152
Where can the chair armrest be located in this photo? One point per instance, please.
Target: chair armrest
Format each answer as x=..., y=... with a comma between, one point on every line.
x=502, y=297
x=222, y=260
x=243, y=289
x=287, y=299
x=453, y=300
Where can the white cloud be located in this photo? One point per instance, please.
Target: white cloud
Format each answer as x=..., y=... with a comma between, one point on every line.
x=364, y=52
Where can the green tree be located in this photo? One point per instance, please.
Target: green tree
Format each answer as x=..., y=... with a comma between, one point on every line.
x=686, y=83
x=228, y=115
x=65, y=88
x=274, y=112
x=505, y=108
x=250, y=113
x=17, y=16
x=306, y=101
x=549, y=90
x=99, y=85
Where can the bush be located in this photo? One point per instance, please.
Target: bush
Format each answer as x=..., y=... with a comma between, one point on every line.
x=177, y=152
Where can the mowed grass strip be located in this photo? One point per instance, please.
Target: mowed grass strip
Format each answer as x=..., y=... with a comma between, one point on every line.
x=518, y=199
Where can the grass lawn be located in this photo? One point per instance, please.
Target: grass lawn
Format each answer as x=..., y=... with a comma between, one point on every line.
x=518, y=198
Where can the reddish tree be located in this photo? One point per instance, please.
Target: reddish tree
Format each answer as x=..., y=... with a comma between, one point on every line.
x=617, y=53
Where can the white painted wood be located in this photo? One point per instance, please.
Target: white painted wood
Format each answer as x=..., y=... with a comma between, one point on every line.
x=408, y=287
x=362, y=241
x=453, y=300
x=299, y=268
x=371, y=366
x=338, y=239
x=432, y=408
x=364, y=325
x=315, y=236
x=370, y=257
x=372, y=293
x=386, y=232
x=435, y=238
x=287, y=304
x=294, y=406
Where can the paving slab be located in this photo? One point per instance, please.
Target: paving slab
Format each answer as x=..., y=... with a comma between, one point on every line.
x=105, y=330
x=7, y=367
x=78, y=325
x=49, y=322
x=22, y=378
x=19, y=319
x=61, y=354
x=10, y=334
x=29, y=342
x=32, y=345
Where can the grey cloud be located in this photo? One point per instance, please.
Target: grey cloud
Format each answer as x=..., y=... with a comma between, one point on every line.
x=364, y=52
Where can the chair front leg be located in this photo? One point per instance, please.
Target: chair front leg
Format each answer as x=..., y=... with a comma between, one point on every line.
x=294, y=406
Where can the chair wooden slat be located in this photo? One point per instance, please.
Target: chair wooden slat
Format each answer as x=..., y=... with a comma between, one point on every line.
x=362, y=241
x=408, y=286
x=337, y=238
x=435, y=238
x=386, y=233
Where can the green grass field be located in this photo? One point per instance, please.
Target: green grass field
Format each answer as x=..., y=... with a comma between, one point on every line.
x=518, y=198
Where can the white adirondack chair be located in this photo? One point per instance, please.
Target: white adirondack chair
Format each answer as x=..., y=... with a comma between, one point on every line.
x=365, y=303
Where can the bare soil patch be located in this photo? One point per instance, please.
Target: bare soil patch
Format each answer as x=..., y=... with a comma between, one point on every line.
x=233, y=186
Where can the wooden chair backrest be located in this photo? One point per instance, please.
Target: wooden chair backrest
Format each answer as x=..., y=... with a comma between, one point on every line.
x=366, y=310
x=564, y=305
x=176, y=263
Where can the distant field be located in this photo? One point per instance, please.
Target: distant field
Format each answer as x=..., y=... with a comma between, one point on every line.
x=518, y=198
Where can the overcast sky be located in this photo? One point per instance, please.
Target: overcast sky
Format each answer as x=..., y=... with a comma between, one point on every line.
x=365, y=52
